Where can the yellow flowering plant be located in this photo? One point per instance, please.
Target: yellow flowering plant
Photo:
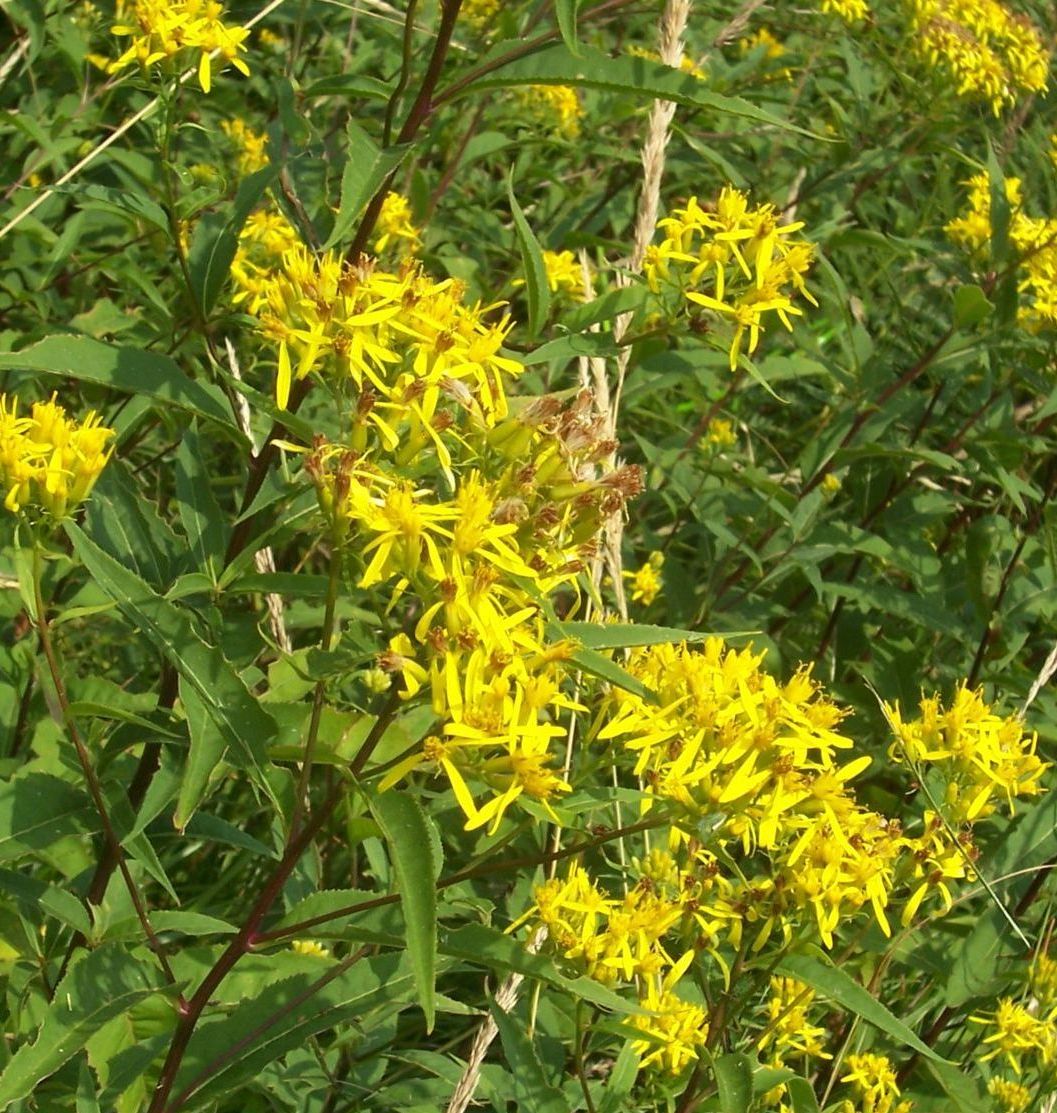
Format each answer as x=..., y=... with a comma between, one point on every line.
x=530, y=561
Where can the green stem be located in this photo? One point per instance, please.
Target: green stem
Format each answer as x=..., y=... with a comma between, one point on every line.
x=325, y=642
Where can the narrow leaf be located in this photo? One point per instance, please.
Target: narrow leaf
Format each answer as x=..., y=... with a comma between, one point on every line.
x=842, y=989
x=593, y=69
x=242, y=722
x=414, y=848
x=566, y=12
x=537, y=292
x=124, y=369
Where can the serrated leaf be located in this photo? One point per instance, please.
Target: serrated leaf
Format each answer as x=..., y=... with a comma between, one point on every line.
x=366, y=167
x=241, y=720
x=801, y=1095
x=100, y=985
x=593, y=69
x=537, y=290
x=837, y=986
x=595, y=635
x=128, y=370
x=37, y=809
x=414, y=848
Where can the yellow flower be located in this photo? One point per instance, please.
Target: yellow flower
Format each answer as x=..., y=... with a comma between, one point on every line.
x=564, y=274
x=48, y=462
x=310, y=947
x=556, y=107
x=983, y=756
x=161, y=30
x=1010, y=1096
x=851, y=11
x=873, y=1079
x=720, y=433
x=990, y=53
x=675, y=1030
x=646, y=581
x=1015, y=1033
x=830, y=484
x=395, y=227
x=749, y=263
x=251, y=146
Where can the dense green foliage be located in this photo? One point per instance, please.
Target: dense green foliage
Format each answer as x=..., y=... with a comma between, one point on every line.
x=240, y=866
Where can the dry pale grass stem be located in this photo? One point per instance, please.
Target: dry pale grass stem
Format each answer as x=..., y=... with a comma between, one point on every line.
x=264, y=559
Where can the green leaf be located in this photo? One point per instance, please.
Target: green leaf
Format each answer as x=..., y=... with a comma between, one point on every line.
x=532, y=1093
x=138, y=206
x=593, y=69
x=572, y=347
x=206, y=753
x=964, y=1090
x=243, y=723
x=216, y=239
x=36, y=810
x=366, y=167
x=124, y=523
x=123, y=369
x=225, y=1053
x=593, y=635
x=415, y=850
x=191, y=923
x=595, y=663
x=621, y=1080
x=349, y=85
x=200, y=514
x=734, y=1080
x=566, y=12
x=537, y=291
x=493, y=949
x=970, y=306
x=833, y=984
x=100, y=985
x=801, y=1095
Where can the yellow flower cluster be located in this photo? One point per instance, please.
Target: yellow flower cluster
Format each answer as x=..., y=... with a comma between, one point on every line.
x=622, y=940
x=48, y=462
x=872, y=1079
x=646, y=582
x=161, y=30
x=467, y=514
x=564, y=274
x=851, y=11
x=992, y=54
x=1033, y=238
x=555, y=108
x=789, y=1032
x=719, y=434
x=480, y=14
x=763, y=39
x=735, y=260
x=1010, y=1096
x=982, y=757
x=251, y=147
x=396, y=229
x=1023, y=1038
